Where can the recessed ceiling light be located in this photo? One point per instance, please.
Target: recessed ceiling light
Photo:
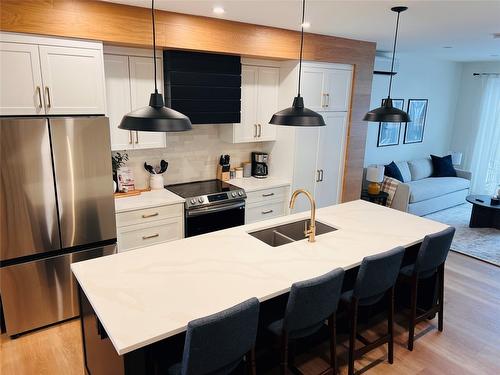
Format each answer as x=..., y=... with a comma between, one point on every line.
x=306, y=25
x=447, y=47
x=218, y=10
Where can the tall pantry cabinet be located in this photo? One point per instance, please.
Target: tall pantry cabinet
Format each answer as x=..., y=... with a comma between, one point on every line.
x=313, y=158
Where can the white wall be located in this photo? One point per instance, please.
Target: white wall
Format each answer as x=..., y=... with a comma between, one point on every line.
x=418, y=77
x=468, y=107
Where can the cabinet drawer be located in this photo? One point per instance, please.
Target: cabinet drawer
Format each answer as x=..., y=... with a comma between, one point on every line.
x=149, y=214
x=264, y=211
x=266, y=195
x=136, y=236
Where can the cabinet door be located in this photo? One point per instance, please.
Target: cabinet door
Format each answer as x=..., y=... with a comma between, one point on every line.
x=73, y=80
x=304, y=171
x=118, y=99
x=331, y=157
x=20, y=91
x=267, y=102
x=313, y=88
x=247, y=130
x=142, y=86
x=338, y=93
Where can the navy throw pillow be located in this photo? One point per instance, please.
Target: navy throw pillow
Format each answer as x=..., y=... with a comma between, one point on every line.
x=392, y=170
x=443, y=167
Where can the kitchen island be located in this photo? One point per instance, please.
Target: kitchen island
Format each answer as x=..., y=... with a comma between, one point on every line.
x=137, y=302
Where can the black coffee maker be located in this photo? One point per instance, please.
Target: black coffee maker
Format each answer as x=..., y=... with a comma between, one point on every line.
x=259, y=164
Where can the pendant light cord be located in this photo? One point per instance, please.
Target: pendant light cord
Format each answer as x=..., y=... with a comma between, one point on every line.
x=393, y=54
x=301, y=42
x=154, y=41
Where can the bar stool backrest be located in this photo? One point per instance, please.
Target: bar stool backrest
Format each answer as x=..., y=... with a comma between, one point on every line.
x=433, y=251
x=216, y=344
x=377, y=274
x=312, y=301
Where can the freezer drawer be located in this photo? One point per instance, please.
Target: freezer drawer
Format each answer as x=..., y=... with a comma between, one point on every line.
x=38, y=293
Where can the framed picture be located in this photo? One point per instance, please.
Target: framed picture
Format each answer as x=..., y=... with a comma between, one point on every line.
x=388, y=132
x=414, y=130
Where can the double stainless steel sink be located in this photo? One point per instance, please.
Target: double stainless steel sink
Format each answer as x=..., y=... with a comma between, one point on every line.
x=287, y=233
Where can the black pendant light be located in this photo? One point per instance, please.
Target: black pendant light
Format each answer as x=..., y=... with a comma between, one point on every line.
x=387, y=113
x=297, y=114
x=155, y=117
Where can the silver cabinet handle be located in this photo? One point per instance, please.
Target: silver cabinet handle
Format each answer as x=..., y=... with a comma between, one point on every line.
x=255, y=130
x=327, y=99
x=39, y=92
x=266, y=212
x=260, y=130
x=318, y=173
x=323, y=100
x=145, y=216
x=130, y=137
x=136, y=137
x=47, y=93
x=152, y=236
x=268, y=195
x=321, y=174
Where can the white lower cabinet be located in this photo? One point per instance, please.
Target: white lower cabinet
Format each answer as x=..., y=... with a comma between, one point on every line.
x=153, y=225
x=266, y=204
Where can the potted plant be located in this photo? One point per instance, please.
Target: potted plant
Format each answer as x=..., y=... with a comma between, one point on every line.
x=118, y=160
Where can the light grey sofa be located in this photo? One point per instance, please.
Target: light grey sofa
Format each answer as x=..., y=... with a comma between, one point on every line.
x=421, y=194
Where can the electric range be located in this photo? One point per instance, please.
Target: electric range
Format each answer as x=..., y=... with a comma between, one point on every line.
x=210, y=205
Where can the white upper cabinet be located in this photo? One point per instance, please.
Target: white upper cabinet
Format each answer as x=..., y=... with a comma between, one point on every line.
x=42, y=75
x=21, y=80
x=117, y=99
x=142, y=86
x=73, y=80
x=129, y=85
x=326, y=89
x=259, y=101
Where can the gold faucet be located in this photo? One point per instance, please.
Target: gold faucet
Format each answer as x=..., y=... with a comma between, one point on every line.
x=311, y=232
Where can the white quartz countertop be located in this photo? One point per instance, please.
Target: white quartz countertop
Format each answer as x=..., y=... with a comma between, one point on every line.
x=250, y=184
x=147, y=199
x=149, y=294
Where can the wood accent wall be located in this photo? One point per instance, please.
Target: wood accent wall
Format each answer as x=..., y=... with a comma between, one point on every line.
x=131, y=26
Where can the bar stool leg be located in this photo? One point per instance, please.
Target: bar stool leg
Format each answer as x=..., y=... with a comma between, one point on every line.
x=284, y=354
x=390, y=326
x=333, y=343
x=251, y=362
x=441, y=297
x=413, y=311
x=352, y=336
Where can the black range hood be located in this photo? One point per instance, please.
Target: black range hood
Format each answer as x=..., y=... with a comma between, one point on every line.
x=205, y=87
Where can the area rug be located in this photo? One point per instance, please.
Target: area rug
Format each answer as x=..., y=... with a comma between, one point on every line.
x=481, y=243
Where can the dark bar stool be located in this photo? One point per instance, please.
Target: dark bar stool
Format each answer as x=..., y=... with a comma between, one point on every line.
x=216, y=344
x=310, y=304
x=430, y=260
x=376, y=278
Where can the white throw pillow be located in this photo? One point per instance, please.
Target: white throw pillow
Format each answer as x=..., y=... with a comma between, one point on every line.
x=404, y=169
x=420, y=169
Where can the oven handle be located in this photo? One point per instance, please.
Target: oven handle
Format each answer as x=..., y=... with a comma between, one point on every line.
x=218, y=208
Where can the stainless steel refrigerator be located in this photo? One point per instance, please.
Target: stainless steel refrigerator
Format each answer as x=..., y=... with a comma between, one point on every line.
x=56, y=208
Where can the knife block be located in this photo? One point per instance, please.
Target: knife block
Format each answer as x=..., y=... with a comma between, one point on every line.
x=223, y=176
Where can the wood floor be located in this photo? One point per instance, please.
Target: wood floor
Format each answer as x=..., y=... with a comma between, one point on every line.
x=470, y=343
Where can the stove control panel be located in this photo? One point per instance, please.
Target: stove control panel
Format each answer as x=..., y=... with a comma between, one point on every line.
x=215, y=198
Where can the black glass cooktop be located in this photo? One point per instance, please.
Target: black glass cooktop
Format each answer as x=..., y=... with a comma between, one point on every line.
x=197, y=188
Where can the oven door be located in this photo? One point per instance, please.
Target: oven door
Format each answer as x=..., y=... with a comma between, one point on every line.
x=209, y=219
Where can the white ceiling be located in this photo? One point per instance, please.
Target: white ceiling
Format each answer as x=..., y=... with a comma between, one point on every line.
x=426, y=27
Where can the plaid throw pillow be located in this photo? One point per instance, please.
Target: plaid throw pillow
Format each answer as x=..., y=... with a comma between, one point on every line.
x=389, y=185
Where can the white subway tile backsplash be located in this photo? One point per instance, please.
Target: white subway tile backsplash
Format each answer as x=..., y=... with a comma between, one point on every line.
x=191, y=156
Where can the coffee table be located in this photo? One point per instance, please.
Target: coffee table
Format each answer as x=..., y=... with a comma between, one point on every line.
x=483, y=215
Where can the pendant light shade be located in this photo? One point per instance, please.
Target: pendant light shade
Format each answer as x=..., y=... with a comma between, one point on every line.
x=155, y=117
x=387, y=113
x=297, y=114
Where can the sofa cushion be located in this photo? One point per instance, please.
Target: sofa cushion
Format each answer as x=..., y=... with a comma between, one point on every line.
x=432, y=187
x=391, y=170
x=421, y=168
x=405, y=170
x=443, y=167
